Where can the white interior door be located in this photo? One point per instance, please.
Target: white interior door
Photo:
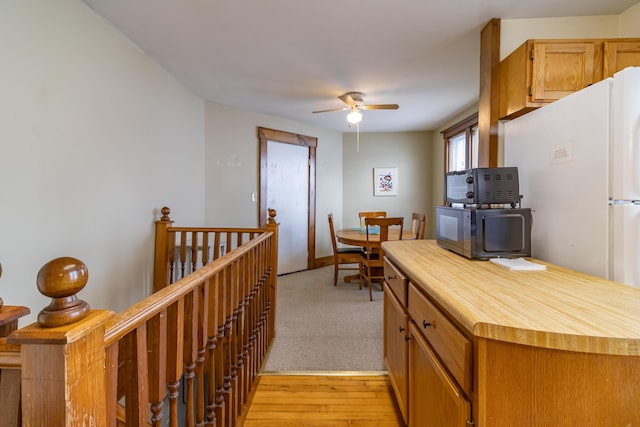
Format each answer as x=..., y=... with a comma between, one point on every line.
x=288, y=194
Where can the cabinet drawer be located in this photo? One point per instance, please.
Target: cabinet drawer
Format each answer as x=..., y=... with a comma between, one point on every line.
x=453, y=348
x=396, y=280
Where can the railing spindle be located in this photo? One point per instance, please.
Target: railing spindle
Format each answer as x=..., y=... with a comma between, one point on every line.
x=175, y=361
x=157, y=346
x=203, y=319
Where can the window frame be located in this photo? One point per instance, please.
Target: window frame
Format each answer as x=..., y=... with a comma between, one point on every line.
x=465, y=126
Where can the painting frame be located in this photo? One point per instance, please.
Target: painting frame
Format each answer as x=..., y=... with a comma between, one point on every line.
x=385, y=181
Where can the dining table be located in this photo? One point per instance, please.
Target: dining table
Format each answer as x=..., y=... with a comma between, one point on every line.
x=356, y=237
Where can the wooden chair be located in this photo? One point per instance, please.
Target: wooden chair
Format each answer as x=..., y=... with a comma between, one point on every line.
x=418, y=225
x=372, y=260
x=363, y=215
x=382, y=214
x=342, y=256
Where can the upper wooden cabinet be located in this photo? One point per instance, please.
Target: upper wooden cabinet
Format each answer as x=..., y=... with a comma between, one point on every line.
x=620, y=54
x=542, y=71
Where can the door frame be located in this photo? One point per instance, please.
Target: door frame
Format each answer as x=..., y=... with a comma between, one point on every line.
x=264, y=136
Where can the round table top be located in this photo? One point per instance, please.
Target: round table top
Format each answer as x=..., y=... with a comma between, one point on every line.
x=353, y=237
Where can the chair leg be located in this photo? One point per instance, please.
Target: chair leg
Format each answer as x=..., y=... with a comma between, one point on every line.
x=335, y=274
x=370, y=292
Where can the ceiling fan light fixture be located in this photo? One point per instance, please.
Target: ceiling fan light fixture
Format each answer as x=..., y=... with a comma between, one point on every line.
x=354, y=117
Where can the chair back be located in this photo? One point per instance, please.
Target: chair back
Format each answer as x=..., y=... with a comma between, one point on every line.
x=363, y=215
x=334, y=244
x=418, y=224
x=381, y=214
x=383, y=224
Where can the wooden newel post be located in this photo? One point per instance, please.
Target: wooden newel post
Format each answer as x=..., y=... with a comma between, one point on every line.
x=161, y=258
x=272, y=226
x=63, y=355
x=61, y=279
x=10, y=375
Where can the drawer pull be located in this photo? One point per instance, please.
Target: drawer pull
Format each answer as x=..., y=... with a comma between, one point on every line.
x=401, y=329
x=426, y=324
x=390, y=277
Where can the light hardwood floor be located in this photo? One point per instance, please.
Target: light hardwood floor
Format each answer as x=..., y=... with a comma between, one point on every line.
x=323, y=401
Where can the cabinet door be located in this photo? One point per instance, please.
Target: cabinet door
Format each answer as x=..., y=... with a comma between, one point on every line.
x=619, y=55
x=395, y=347
x=560, y=69
x=434, y=398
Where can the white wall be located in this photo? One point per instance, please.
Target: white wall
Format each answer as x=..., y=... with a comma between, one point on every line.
x=94, y=139
x=408, y=151
x=232, y=169
x=629, y=22
x=514, y=32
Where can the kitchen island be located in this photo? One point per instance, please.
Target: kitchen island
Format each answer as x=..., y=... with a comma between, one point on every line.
x=470, y=341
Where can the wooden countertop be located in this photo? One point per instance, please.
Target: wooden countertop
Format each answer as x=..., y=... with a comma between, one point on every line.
x=557, y=308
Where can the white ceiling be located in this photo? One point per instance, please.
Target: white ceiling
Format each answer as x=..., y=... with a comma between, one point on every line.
x=287, y=58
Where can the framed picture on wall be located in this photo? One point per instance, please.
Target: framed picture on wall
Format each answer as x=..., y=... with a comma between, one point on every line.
x=385, y=181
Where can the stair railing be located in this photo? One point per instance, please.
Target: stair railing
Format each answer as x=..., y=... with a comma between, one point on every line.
x=194, y=346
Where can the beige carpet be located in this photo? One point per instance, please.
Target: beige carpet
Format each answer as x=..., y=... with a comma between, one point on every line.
x=321, y=327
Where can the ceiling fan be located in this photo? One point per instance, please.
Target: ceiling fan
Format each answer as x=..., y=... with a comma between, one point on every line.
x=355, y=104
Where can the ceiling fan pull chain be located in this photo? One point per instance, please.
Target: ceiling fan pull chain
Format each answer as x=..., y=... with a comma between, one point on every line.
x=358, y=137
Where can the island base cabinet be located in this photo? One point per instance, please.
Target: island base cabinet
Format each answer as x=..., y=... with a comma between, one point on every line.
x=489, y=348
x=395, y=347
x=435, y=400
x=533, y=386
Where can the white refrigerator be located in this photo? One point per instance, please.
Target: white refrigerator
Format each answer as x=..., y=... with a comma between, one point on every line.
x=578, y=164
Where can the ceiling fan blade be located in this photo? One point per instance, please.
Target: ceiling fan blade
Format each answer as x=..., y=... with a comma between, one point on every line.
x=381, y=107
x=351, y=98
x=333, y=109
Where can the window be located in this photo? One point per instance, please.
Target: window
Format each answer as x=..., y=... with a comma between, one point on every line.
x=461, y=145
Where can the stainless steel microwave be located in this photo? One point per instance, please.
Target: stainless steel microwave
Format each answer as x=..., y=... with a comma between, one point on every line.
x=484, y=233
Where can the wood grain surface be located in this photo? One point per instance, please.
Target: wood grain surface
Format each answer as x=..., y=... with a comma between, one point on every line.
x=557, y=308
x=323, y=401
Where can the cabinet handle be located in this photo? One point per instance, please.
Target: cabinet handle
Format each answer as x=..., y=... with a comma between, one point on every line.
x=407, y=338
x=401, y=329
x=426, y=324
x=390, y=277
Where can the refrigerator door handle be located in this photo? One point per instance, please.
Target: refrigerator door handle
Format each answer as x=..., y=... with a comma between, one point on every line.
x=624, y=202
